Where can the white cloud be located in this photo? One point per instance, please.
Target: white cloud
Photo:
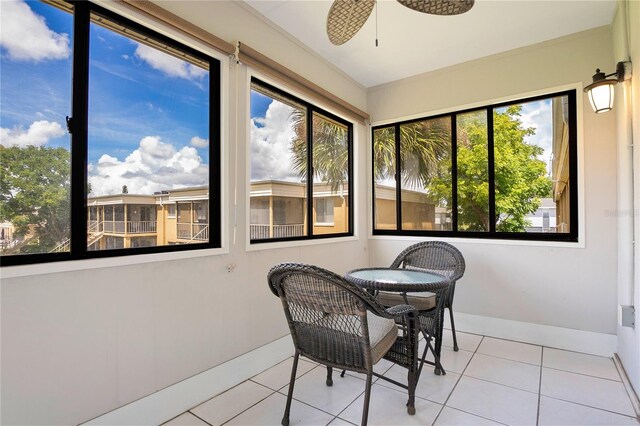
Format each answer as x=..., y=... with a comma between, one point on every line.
x=271, y=138
x=38, y=134
x=170, y=65
x=538, y=115
x=26, y=35
x=153, y=166
x=199, y=142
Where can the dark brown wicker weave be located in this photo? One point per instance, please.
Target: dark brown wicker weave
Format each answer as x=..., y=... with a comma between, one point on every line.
x=444, y=259
x=335, y=323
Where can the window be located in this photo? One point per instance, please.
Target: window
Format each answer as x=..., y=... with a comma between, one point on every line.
x=144, y=133
x=502, y=171
x=300, y=169
x=324, y=211
x=171, y=210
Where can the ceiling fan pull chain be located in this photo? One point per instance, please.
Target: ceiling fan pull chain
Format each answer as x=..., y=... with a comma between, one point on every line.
x=376, y=23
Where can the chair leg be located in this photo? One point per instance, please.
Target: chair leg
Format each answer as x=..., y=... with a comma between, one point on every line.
x=329, y=379
x=367, y=397
x=453, y=329
x=411, y=389
x=285, y=418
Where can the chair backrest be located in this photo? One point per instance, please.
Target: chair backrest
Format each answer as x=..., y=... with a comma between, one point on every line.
x=327, y=315
x=432, y=256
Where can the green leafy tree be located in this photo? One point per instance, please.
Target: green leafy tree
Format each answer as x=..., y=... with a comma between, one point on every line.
x=520, y=177
x=35, y=193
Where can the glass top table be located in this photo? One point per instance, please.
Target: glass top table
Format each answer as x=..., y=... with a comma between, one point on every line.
x=409, y=281
x=399, y=280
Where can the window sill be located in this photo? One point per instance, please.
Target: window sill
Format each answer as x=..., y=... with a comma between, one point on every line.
x=324, y=224
x=487, y=241
x=108, y=262
x=298, y=243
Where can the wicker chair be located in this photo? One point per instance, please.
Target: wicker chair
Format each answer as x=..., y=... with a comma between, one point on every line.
x=335, y=323
x=430, y=256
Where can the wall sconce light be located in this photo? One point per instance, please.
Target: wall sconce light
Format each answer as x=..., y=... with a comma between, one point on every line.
x=600, y=92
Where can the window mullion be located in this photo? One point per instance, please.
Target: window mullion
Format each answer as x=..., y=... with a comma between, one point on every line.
x=215, y=177
x=454, y=174
x=398, y=179
x=491, y=171
x=79, y=108
x=310, y=171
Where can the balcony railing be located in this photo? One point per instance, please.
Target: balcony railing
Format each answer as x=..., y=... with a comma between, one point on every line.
x=261, y=232
x=132, y=227
x=193, y=231
x=141, y=227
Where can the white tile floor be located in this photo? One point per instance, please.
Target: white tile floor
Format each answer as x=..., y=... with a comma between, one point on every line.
x=489, y=381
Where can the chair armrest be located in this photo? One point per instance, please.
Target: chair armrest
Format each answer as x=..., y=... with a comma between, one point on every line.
x=400, y=310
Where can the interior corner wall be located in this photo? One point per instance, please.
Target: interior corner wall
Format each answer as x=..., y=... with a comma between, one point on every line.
x=626, y=45
x=561, y=285
x=77, y=344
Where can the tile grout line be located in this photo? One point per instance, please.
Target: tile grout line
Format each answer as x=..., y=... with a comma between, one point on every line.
x=288, y=383
x=252, y=405
x=197, y=416
x=444, y=404
x=592, y=407
x=582, y=374
x=540, y=386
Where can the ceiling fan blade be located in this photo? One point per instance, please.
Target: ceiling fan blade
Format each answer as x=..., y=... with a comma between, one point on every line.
x=439, y=7
x=345, y=19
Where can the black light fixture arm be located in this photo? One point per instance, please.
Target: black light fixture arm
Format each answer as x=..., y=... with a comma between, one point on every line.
x=620, y=73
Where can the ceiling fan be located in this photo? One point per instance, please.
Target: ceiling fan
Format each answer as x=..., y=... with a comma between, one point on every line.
x=346, y=17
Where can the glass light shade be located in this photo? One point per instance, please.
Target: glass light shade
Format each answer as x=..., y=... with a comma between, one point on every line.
x=601, y=95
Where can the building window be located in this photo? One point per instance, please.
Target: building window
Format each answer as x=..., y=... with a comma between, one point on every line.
x=299, y=153
x=324, y=211
x=171, y=210
x=144, y=132
x=502, y=171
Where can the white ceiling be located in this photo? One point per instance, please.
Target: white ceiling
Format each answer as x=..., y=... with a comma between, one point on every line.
x=412, y=43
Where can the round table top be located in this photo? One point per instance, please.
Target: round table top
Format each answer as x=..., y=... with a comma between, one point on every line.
x=393, y=279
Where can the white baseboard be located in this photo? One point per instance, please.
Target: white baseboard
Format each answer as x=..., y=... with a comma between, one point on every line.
x=633, y=396
x=545, y=335
x=167, y=403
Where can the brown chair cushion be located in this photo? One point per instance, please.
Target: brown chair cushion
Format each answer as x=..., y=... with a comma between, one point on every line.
x=421, y=300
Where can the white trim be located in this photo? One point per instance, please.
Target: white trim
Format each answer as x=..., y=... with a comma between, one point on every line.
x=484, y=103
x=488, y=241
x=577, y=86
x=250, y=72
x=107, y=262
x=635, y=402
x=174, y=400
x=125, y=260
x=299, y=243
x=587, y=342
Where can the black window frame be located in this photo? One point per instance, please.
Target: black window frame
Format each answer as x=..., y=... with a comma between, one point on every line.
x=81, y=13
x=311, y=109
x=492, y=234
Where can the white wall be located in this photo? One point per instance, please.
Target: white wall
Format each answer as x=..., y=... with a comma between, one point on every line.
x=626, y=43
x=78, y=343
x=564, y=285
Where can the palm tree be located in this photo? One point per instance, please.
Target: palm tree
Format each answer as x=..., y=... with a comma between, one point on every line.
x=424, y=147
x=330, y=149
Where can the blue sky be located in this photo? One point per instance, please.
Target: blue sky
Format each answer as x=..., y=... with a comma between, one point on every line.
x=148, y=111
x=259, y=105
